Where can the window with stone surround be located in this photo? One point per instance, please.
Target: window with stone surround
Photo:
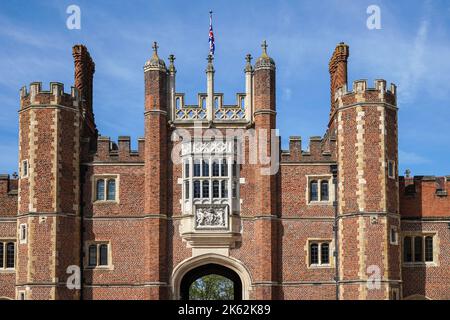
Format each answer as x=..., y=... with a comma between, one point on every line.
x=419, y=248
x=391, y=169
x=319, y=253
x=210, y=182
x=98, y=255
x=204, y=185
x=7, y=254
x=393, y=237
x=24, y=169
x=319, y=190
x=23, y=233
x=105, y=188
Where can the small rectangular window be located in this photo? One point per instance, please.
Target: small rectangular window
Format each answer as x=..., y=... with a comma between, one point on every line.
x=106, y=188
x=391, y=169
x=319, y=253
x=98, y=255
x=23, y=233
x=394, y=235
x=24, y=168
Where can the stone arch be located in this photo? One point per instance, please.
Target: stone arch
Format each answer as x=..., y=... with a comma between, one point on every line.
x=206, y=259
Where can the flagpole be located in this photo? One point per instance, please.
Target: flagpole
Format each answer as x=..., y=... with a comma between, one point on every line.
x=211, y=35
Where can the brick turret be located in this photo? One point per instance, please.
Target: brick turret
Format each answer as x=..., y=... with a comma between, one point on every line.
x=266, y=184
x=368, y=206
x=49, y=186
x=156, y=161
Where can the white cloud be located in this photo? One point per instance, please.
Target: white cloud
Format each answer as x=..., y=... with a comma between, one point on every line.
x=287, y=94
x=411, y=158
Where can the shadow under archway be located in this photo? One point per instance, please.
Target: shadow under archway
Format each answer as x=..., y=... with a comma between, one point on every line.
x=209, y=269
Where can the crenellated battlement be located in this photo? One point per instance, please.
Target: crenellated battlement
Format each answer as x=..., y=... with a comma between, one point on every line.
x=315, y=152
x=110, y=151
x=8, y=185
x=361, y=93
x=54, y=96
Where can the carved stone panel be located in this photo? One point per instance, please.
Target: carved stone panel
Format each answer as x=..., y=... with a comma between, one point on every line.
x=211, y=217
x=205, y=148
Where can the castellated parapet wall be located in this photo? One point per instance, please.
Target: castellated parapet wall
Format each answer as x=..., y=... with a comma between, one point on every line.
x=109, y=151
x=361, y=93
x=317, y=151
x=55, y=96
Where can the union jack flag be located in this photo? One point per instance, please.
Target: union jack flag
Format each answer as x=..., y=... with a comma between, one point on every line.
x=212, y=45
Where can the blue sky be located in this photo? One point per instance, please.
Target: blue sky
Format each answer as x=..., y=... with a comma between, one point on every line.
x=412, y=50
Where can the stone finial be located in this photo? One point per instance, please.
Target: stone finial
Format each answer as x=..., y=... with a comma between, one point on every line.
x=210, y=67
x=264, y=46
x=264, y=61
x=155, y=48
x=172, y=63
x=407, y=173
x=155, y=63
x=248, y=66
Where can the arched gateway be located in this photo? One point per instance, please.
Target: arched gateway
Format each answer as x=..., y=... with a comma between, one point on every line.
x=194, y=268
x=206, y=270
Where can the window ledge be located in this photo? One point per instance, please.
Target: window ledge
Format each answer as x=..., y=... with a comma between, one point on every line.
x=100, y=268
x=320, y=203
x=8, y=270
x=320, y=266
x=105, y=202
x=419, y=264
